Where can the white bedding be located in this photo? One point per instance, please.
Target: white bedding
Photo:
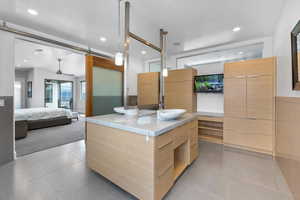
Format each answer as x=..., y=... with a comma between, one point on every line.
x=41, y=113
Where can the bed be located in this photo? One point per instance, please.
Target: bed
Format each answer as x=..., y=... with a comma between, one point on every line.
x=37, y=118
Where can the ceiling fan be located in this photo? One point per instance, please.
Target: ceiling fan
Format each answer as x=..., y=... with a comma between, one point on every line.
x=59, y=72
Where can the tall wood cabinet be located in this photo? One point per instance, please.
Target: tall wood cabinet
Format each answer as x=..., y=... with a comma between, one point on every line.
x=249, y=104
x=179, y=90
x=148, y=88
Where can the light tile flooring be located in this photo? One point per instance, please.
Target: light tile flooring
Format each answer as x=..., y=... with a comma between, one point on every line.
x=218, y=174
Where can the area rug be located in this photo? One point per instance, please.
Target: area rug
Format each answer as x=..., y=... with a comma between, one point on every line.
x=41, y=139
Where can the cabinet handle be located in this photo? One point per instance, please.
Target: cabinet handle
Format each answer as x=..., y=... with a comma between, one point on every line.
x=255, y=75
x=239, y=76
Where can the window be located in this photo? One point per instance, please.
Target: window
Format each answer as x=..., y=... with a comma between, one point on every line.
x=48, y=93
x=82, y=90
x=66, y=95
x=154, y=66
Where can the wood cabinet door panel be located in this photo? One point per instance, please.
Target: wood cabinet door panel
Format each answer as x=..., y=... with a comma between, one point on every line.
x=181, y=135
x=249, y=126
x=148, y=95
x=234, y=70
x=181, y=75
x=251, y=141
x=164, y=183
x=179, y=87
x=260, y=100
x=193, y=136
x=235, y=97
x=164, y=159
x=260, y=67
x=179, y=95
x=194, y=152
x=148, y=88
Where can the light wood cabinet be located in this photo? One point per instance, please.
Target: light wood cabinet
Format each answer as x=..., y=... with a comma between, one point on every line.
x=193, y=141
x=210, y=129
x=179, y=90
x=235, y=97
x=148, y=88
x=259, y=67
x=234, y=70
x=260, y=97
x=253, y=142
x=249, y=104
x=145, y=168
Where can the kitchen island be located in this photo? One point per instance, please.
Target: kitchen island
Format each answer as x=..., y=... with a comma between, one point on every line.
x=142, y=155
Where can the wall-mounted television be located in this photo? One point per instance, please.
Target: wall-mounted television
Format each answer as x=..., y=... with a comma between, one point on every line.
x=212, y=83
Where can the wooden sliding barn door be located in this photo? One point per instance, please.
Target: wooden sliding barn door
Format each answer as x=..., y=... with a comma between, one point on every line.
x=104, y=86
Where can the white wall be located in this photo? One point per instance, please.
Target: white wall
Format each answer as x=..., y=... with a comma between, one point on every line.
x=282, y=47
x=136, y=66
x=6, y=64
x=38, y=77
x=6, y=90
x=80, y=103
x=22, y=76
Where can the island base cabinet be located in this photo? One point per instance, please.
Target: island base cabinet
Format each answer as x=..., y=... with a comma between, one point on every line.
x=163, y=164
x=146, y=168
x=193, y=141
x=124, y=158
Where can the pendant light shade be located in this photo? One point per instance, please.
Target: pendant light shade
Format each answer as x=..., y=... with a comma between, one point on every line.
x=165, y=72
x=119, y=59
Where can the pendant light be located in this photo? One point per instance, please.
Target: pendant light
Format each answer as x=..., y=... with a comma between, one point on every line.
x=119, y=59
x=165, y=72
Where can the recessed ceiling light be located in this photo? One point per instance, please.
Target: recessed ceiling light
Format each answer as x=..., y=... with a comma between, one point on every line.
x=25, y=61
x=103, y=39
x=18, y=65
x=236, y=29
x=241, y=52
x=143, y=52
x=32, y=12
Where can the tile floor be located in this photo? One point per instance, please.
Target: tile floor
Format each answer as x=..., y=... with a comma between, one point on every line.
x=218, y=174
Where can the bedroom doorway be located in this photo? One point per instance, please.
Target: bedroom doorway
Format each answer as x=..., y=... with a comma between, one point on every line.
x=50, y=103
x=59, y=94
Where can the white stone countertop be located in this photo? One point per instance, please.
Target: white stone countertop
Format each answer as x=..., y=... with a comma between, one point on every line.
x=147, y=125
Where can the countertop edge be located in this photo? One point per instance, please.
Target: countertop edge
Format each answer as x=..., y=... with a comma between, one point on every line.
x=140, y=130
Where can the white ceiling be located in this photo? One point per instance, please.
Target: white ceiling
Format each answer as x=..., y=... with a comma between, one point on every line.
x=203, y=23
x=193, y=23
x=26, y=57
x=228, y=55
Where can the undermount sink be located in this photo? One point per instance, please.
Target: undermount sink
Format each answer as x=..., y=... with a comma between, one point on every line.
x=169, y=114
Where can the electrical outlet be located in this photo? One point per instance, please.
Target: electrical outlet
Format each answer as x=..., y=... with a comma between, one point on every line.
x=2, y=102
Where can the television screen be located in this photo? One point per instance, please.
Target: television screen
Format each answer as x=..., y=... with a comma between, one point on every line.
x=209, y=83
